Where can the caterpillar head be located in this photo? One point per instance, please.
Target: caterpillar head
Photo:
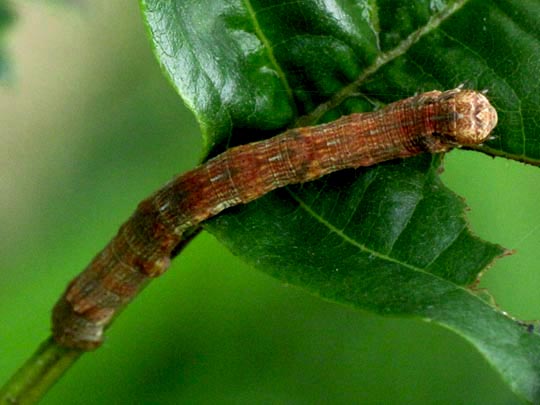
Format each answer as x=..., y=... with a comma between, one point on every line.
x=466, y=117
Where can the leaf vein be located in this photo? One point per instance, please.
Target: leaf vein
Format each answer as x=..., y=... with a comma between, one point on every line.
x=269, y=49
x=350, y=240
x=381, y=60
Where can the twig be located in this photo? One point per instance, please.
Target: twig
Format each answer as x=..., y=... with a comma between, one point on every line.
x=32, y=381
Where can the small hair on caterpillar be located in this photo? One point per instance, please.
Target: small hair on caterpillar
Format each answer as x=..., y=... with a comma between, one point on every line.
x=431, y=122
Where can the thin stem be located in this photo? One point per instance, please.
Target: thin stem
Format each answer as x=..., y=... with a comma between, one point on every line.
x=32, y=381
x=40, y=372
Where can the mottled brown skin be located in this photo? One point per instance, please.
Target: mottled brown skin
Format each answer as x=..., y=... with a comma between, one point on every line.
x=431, y=122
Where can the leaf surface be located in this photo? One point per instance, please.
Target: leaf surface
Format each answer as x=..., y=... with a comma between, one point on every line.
x=390, y=239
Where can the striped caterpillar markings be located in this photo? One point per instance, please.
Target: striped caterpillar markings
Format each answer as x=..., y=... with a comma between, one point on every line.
x=430, y=122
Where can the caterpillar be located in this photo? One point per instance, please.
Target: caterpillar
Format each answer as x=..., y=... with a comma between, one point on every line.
x=430, y=122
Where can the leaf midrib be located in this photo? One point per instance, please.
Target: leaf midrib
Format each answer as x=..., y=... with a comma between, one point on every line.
x=306, y=207
x=382, y=59
x=269, y=50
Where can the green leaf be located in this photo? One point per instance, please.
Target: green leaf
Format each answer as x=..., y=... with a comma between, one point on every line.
x=390, y=239
x=6, y=18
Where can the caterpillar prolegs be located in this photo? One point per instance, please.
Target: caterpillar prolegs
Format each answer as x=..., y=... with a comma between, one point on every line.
x=431, y=122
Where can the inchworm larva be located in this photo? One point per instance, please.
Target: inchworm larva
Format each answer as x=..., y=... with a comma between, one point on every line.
x=430, y=122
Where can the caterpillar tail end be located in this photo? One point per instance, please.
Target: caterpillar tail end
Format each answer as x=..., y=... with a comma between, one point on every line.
x=72, y=330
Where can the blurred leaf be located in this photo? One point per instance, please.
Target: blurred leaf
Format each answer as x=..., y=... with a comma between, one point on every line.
x=391, y=239
x=6, y=18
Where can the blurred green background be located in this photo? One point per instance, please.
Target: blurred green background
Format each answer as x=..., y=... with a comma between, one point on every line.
x=89, y=127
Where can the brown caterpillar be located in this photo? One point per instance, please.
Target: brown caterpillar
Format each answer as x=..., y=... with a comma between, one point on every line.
x=430, y=122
